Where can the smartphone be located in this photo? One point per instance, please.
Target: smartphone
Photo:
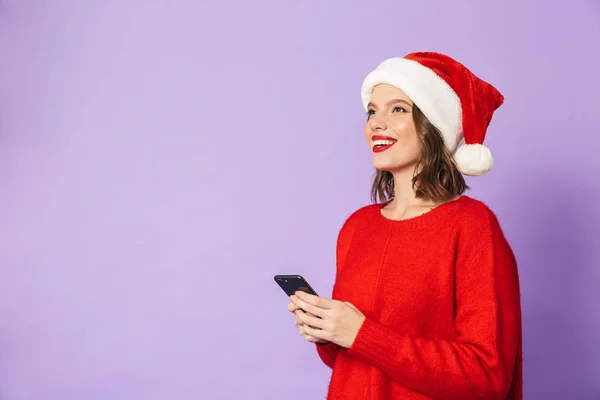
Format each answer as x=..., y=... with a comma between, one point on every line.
x=292, y=283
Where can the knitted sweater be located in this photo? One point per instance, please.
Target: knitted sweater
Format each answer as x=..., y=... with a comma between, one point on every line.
x=440, y=293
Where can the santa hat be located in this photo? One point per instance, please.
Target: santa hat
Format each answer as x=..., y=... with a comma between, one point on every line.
x=454, y=100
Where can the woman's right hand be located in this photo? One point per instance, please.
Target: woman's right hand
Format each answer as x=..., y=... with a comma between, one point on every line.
x=293, y=308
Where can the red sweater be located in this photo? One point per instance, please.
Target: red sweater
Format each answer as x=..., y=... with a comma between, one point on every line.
x=440, y=293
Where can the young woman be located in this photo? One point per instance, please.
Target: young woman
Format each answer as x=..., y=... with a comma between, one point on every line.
x=426, y=301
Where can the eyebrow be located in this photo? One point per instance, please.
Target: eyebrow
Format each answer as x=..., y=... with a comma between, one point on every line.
x=393, y=101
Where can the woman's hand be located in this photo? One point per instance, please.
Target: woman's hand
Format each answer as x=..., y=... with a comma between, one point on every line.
x=328, y=320
x=293, y=308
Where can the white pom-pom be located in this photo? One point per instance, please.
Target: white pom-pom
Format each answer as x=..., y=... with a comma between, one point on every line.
x=473, y=159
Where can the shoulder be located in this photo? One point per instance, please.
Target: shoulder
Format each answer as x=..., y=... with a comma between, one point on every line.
x=363, y=213
x=474, y=217
x=480, y=238
x=470, y=208
x=357, y=218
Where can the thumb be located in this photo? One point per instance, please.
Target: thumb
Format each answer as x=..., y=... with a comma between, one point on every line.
x=351, y=305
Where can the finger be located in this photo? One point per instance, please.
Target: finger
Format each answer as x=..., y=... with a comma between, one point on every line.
x=317, y=333
x=310, y=320
x=304, y=312
x=316, y=301
x=292, y=307
x=298, y=322
x=311, y=338
x=308, y=337
x=309, y=308
x=299, y=314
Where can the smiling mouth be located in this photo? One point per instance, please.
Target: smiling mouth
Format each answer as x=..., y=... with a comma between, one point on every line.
x=380, y=145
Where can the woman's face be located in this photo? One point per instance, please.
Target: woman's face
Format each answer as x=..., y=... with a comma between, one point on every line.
x=390, y=130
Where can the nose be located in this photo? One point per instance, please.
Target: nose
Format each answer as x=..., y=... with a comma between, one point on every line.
x=377, y=123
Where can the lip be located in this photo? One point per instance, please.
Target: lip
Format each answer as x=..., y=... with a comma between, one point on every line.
x=382, y=148
x=379, y=137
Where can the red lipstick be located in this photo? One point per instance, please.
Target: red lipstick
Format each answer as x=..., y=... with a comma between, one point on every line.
x=382, y=143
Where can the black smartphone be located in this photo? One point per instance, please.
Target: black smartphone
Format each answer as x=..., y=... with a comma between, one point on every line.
x=292, y=283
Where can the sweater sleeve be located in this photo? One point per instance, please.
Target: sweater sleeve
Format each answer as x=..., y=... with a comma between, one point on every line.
x=481, y=359
x=328, y=352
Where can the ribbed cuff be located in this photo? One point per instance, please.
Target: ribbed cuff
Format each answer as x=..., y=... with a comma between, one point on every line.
x=372, y=344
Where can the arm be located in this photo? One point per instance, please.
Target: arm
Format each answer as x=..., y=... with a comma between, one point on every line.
x=481, y=359
x=328, y=351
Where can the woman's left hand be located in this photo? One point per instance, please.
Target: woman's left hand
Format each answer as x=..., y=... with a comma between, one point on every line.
x=331, y=320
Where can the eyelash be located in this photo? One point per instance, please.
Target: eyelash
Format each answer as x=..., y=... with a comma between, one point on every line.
x=396, y=109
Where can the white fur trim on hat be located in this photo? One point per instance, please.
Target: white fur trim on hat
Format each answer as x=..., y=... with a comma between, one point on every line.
x=473, y=159
x=426, y=89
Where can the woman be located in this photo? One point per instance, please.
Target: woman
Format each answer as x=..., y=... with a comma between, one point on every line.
x=426, y=301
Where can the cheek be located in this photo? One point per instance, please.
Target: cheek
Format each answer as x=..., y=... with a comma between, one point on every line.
x=367, y=131
x=407, y=134
x=403, y=127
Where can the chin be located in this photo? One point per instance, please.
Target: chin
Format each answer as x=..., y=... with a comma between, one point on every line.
x=386, y=164
x=384, y=167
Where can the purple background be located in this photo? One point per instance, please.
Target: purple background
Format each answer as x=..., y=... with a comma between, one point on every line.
x=161, y=161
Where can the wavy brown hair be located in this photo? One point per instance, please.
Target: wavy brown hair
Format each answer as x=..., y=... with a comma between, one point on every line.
x=436, y=176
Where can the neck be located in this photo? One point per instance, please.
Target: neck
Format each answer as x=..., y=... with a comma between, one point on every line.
x=404, y=195
x=405, y=203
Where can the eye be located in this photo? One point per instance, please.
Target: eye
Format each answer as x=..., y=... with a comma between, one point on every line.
x=370, y=113
x=399, y=109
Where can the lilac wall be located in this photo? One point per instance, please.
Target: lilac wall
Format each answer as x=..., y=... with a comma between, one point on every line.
x=160, y=161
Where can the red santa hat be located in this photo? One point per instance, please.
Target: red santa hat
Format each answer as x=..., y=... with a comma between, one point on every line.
x=454, y=100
